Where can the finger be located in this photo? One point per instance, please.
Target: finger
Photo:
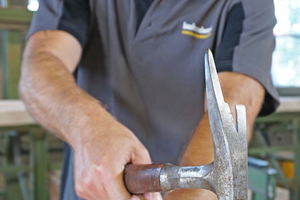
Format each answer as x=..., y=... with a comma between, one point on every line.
x=153, y=196
x=116, y=188
x=157, y=196
x=137, y=197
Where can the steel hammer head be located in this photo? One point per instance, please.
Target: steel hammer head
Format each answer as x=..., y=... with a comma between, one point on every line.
x=228, y=178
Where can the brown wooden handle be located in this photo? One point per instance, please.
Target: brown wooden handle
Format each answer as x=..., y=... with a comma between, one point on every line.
x=141, y=179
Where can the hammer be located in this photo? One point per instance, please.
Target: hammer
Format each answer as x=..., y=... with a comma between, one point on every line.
x=226, y=176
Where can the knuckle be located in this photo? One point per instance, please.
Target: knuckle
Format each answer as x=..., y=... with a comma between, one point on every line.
x=141, y=155
x=145, y=153
x=83, y=185
x=80, y=191
x=91, y=182
x=102, y=171
x=101, y=168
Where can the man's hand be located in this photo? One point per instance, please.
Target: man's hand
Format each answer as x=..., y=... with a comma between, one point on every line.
x=102, y=145
x=101, y=152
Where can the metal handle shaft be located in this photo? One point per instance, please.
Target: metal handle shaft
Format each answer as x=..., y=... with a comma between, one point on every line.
x=141, y=179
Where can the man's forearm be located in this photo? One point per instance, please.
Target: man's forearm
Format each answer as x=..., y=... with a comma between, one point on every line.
x=52, y=96
x=102, y=146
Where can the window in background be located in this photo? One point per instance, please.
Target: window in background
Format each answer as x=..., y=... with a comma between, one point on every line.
x=3, y=3
x=33, y=5
x=286, y=58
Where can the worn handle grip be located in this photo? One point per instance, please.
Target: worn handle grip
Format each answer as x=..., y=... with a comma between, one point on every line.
x=141, y=179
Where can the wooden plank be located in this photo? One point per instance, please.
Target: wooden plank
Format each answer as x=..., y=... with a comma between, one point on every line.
x=289, y=104
x=13, y=113
x=288, y=109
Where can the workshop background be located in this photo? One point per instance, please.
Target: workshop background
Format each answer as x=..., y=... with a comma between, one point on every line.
x=31, y=159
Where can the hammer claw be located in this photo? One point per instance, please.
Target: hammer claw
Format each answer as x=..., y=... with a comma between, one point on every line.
x=230, y=141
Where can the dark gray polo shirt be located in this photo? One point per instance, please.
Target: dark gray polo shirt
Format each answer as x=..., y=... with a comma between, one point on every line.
x=148, y=69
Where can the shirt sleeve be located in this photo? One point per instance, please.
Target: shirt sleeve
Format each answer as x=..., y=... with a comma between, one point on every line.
x=247, y=45
x=72, y=16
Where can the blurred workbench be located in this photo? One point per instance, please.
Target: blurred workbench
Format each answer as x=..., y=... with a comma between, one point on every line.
x=14, y=118
x=13, y=113
x=289, y=104
x=277, y=133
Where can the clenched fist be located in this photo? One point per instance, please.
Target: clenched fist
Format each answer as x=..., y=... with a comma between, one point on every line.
x=101, y=153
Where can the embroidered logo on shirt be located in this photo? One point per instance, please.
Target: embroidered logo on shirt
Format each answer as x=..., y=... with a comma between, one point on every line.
x=194, y=31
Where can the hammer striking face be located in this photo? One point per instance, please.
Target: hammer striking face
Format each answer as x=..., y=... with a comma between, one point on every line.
x=226, y=176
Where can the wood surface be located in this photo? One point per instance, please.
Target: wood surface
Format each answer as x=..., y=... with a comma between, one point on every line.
x=13, y=113
x=289, y=104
